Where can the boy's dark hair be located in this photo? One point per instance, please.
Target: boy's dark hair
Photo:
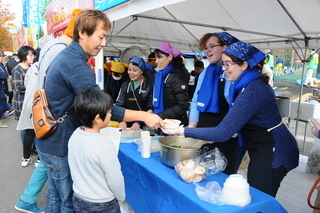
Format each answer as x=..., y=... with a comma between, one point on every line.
x=91, y=102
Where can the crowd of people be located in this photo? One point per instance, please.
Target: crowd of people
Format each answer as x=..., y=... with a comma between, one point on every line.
x=227, y=109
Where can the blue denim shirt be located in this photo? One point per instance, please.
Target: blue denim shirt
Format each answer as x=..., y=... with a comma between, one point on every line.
x=67, y=74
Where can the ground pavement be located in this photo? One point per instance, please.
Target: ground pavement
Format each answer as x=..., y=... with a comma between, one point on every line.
x=13, y=177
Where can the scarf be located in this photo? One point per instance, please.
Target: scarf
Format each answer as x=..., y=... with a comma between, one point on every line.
x=237, y=87
x=208, y=100
x=158, y=99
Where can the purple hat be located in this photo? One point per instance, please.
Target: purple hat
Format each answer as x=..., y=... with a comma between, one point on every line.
x=144, y=66
x=226, y=38
x=169, y=49
x=246, y=52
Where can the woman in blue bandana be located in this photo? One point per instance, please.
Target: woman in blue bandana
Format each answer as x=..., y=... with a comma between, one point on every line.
x=136, y=93
x=272, y=148
x=210, y=101
x=171, y=98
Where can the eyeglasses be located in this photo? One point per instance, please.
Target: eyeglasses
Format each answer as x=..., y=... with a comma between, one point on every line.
x=227, y=65
x=210, y=47
x=32, y=56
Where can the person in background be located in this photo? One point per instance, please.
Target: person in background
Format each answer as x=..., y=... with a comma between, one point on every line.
x=26, y=56
x=69, y=73
x=150, y=75
x=210, y=102
x=13, y=61
x=3, y=97
x=198, y=68
x=267, y=70
x=171, y=98
x=98, y=183
x=269, y=59
x=34, y=81
x=115, y=79
x=279, y=64
x=312, y=65
x=137, y=92
x=255, y=118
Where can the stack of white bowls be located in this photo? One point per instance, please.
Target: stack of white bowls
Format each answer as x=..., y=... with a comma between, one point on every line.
x=235, y=191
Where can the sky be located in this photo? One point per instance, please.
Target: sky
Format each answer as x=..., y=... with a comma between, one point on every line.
x=15, y=7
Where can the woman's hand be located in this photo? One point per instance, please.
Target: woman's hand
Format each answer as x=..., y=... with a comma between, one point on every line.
x=135, y=126
x=316, y=127
x=123, y=125
x=175, y=131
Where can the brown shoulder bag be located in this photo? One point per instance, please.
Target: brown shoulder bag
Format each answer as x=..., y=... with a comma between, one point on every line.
x=43, y=121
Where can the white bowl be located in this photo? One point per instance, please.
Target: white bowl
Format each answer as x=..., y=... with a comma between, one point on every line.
x=170, y=124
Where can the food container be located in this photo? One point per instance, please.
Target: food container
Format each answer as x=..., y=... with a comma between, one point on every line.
x=170, y=124
x=128, y=136
x=170, y=155
x=155, y=145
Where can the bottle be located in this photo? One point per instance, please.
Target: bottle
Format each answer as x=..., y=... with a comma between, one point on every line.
x=145, y=144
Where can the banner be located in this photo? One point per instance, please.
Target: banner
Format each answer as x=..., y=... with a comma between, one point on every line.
x=59, y=12
x=103, y=5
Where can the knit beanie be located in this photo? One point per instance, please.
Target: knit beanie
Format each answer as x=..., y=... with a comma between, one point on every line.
x=69, y=30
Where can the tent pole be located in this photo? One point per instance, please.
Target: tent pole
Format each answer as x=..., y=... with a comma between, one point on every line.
x=301, y=86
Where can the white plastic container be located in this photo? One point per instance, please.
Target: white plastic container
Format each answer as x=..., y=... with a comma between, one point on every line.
x=235, y=191
x=307, y=110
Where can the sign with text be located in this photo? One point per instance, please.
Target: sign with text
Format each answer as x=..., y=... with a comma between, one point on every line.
x=60, y=11
x=103, y=5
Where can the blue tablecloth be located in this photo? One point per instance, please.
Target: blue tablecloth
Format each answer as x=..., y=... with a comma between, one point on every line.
x=154, y=187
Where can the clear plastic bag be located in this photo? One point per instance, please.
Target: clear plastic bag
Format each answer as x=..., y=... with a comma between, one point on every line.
x=211, y=193
x=196, y=170
x=313, y=163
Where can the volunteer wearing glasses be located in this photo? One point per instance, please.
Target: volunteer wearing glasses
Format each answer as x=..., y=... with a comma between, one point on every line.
x=210, y=100
x=272, y=148
x=136, y=93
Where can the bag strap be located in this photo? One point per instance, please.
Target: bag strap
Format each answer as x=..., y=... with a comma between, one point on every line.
x=50, y=62
x=311, y=192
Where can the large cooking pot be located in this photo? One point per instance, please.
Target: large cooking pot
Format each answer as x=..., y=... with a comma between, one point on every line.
x=170, y=155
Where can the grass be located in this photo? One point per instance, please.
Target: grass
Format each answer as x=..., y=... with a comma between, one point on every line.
x=292, y=77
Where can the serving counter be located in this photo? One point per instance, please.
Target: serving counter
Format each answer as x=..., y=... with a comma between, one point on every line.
x=152, y=187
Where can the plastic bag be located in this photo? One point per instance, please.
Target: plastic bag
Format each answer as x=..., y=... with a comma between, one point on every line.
x=196, y=170
x=211, y=193
x=313, y=164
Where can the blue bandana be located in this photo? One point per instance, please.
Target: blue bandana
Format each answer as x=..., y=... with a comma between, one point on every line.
x=144, y=66
x=226, y=38
x=246, y=52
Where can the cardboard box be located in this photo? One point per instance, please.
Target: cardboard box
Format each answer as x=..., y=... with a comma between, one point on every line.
x=306, y=111
x=245, y=161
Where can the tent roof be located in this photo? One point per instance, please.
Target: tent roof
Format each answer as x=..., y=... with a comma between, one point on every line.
x=267, y=24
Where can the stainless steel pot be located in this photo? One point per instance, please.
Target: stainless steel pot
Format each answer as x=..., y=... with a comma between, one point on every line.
x=170, y=156
x=316, y=92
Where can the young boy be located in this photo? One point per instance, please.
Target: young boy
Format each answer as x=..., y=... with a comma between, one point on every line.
x=98, y=183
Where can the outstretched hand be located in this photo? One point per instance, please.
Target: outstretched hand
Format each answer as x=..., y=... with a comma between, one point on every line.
x=153, y=121
x=316, y=127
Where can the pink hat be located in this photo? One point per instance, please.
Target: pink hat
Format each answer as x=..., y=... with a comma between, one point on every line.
x=169, y=49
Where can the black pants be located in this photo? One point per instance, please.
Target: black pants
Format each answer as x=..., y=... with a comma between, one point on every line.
x=27, y=142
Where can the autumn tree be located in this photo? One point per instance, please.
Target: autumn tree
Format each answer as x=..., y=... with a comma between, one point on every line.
x=6, y=18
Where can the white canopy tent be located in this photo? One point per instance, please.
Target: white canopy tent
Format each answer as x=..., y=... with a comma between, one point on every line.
x=267, y=24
